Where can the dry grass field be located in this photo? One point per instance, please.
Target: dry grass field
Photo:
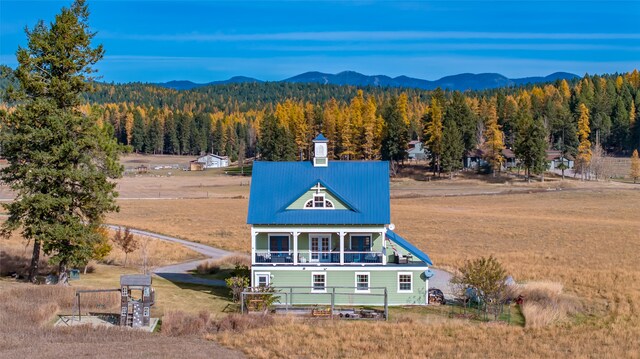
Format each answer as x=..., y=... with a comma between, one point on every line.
x=584, y=237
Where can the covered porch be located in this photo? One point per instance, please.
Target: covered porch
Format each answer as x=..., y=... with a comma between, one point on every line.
x=286, y=246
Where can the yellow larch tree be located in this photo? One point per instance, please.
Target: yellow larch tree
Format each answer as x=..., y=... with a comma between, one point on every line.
x=564, y=89
x=584, y=148
x=433, y=133
x=494, y=138
x=635, y=166
x=369, y=145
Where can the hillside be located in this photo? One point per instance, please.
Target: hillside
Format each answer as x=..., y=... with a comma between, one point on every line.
x=461, y=82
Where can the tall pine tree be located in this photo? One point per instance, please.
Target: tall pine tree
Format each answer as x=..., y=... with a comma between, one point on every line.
x=60, y=160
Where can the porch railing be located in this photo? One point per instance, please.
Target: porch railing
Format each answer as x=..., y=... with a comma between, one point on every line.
x=306, y=257
x=362, y=257
x=274, y=257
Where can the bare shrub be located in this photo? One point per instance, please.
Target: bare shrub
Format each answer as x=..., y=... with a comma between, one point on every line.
x=210, y=267
x=545, y=304
x=178, y=323
x=230, y=261
x=234, y=260
x=240, y=322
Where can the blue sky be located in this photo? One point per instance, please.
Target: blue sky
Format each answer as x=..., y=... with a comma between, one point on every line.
x=202, y=41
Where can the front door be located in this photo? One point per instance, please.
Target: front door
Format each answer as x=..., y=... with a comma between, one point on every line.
x=320, y=247
x=279, y=247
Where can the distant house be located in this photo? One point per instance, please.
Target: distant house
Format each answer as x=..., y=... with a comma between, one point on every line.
x=213, y=161
x=555, y=158
x=474, y=159
x=416, y=151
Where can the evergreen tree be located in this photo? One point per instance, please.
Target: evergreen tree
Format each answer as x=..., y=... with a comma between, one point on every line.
x=275, y=143
x=396, y=137
x=458, y=110
x=452, y=147
x=531, y=145
x=60, y=160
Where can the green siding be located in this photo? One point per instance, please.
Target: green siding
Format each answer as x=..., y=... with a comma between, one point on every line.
x=347, y=278
x=299, y=203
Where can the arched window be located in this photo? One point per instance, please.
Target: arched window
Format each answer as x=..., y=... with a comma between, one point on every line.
x=319, y=201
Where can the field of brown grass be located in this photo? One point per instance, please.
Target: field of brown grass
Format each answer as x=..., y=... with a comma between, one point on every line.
x=587, y=239
x=26, y=314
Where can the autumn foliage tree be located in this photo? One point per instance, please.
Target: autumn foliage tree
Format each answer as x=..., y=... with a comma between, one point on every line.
x=635, y=166
x=584, y=148
x=433, y=133
x=494, y=139
x=126, y=241
x=486, y=277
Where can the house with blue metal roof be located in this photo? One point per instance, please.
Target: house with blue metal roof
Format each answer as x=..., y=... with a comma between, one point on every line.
x=323, y=231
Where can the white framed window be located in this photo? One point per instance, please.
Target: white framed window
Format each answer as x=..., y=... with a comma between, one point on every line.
x=279, y=242
x=405, y=282
x=125, y=291
x=362, y=282
x=318, y=282
x=262, y=279
x=146, y=312
x=319, y=201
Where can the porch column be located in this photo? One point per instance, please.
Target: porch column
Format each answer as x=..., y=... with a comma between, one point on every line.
x=295, y=248
x=384, y=248
x=341, y=248
x=253, y=246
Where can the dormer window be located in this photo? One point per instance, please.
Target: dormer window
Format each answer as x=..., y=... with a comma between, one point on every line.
x=318, y=201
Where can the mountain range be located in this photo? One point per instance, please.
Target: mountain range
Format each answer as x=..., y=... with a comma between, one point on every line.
x=461, y=82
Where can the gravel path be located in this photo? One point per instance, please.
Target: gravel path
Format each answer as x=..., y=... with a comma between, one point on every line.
x=180, y=272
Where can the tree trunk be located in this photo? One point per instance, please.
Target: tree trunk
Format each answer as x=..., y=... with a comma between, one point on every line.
x=125, y=259
x=35, y=260
x=63, y=278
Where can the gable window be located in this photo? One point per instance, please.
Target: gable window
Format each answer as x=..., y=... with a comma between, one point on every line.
x=362, y=282
x=319, y=202
x=405, y=282
x=318, y=282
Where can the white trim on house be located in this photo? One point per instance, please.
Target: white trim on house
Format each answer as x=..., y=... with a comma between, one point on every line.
x=335, y=267
x=410, y=274
x=313, y=289
x=332, y=229
x=368, y=290
x=257, y=275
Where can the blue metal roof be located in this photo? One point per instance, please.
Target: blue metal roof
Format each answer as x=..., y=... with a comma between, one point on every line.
x=320, y=138
x=408, y=247
x=362, y=185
